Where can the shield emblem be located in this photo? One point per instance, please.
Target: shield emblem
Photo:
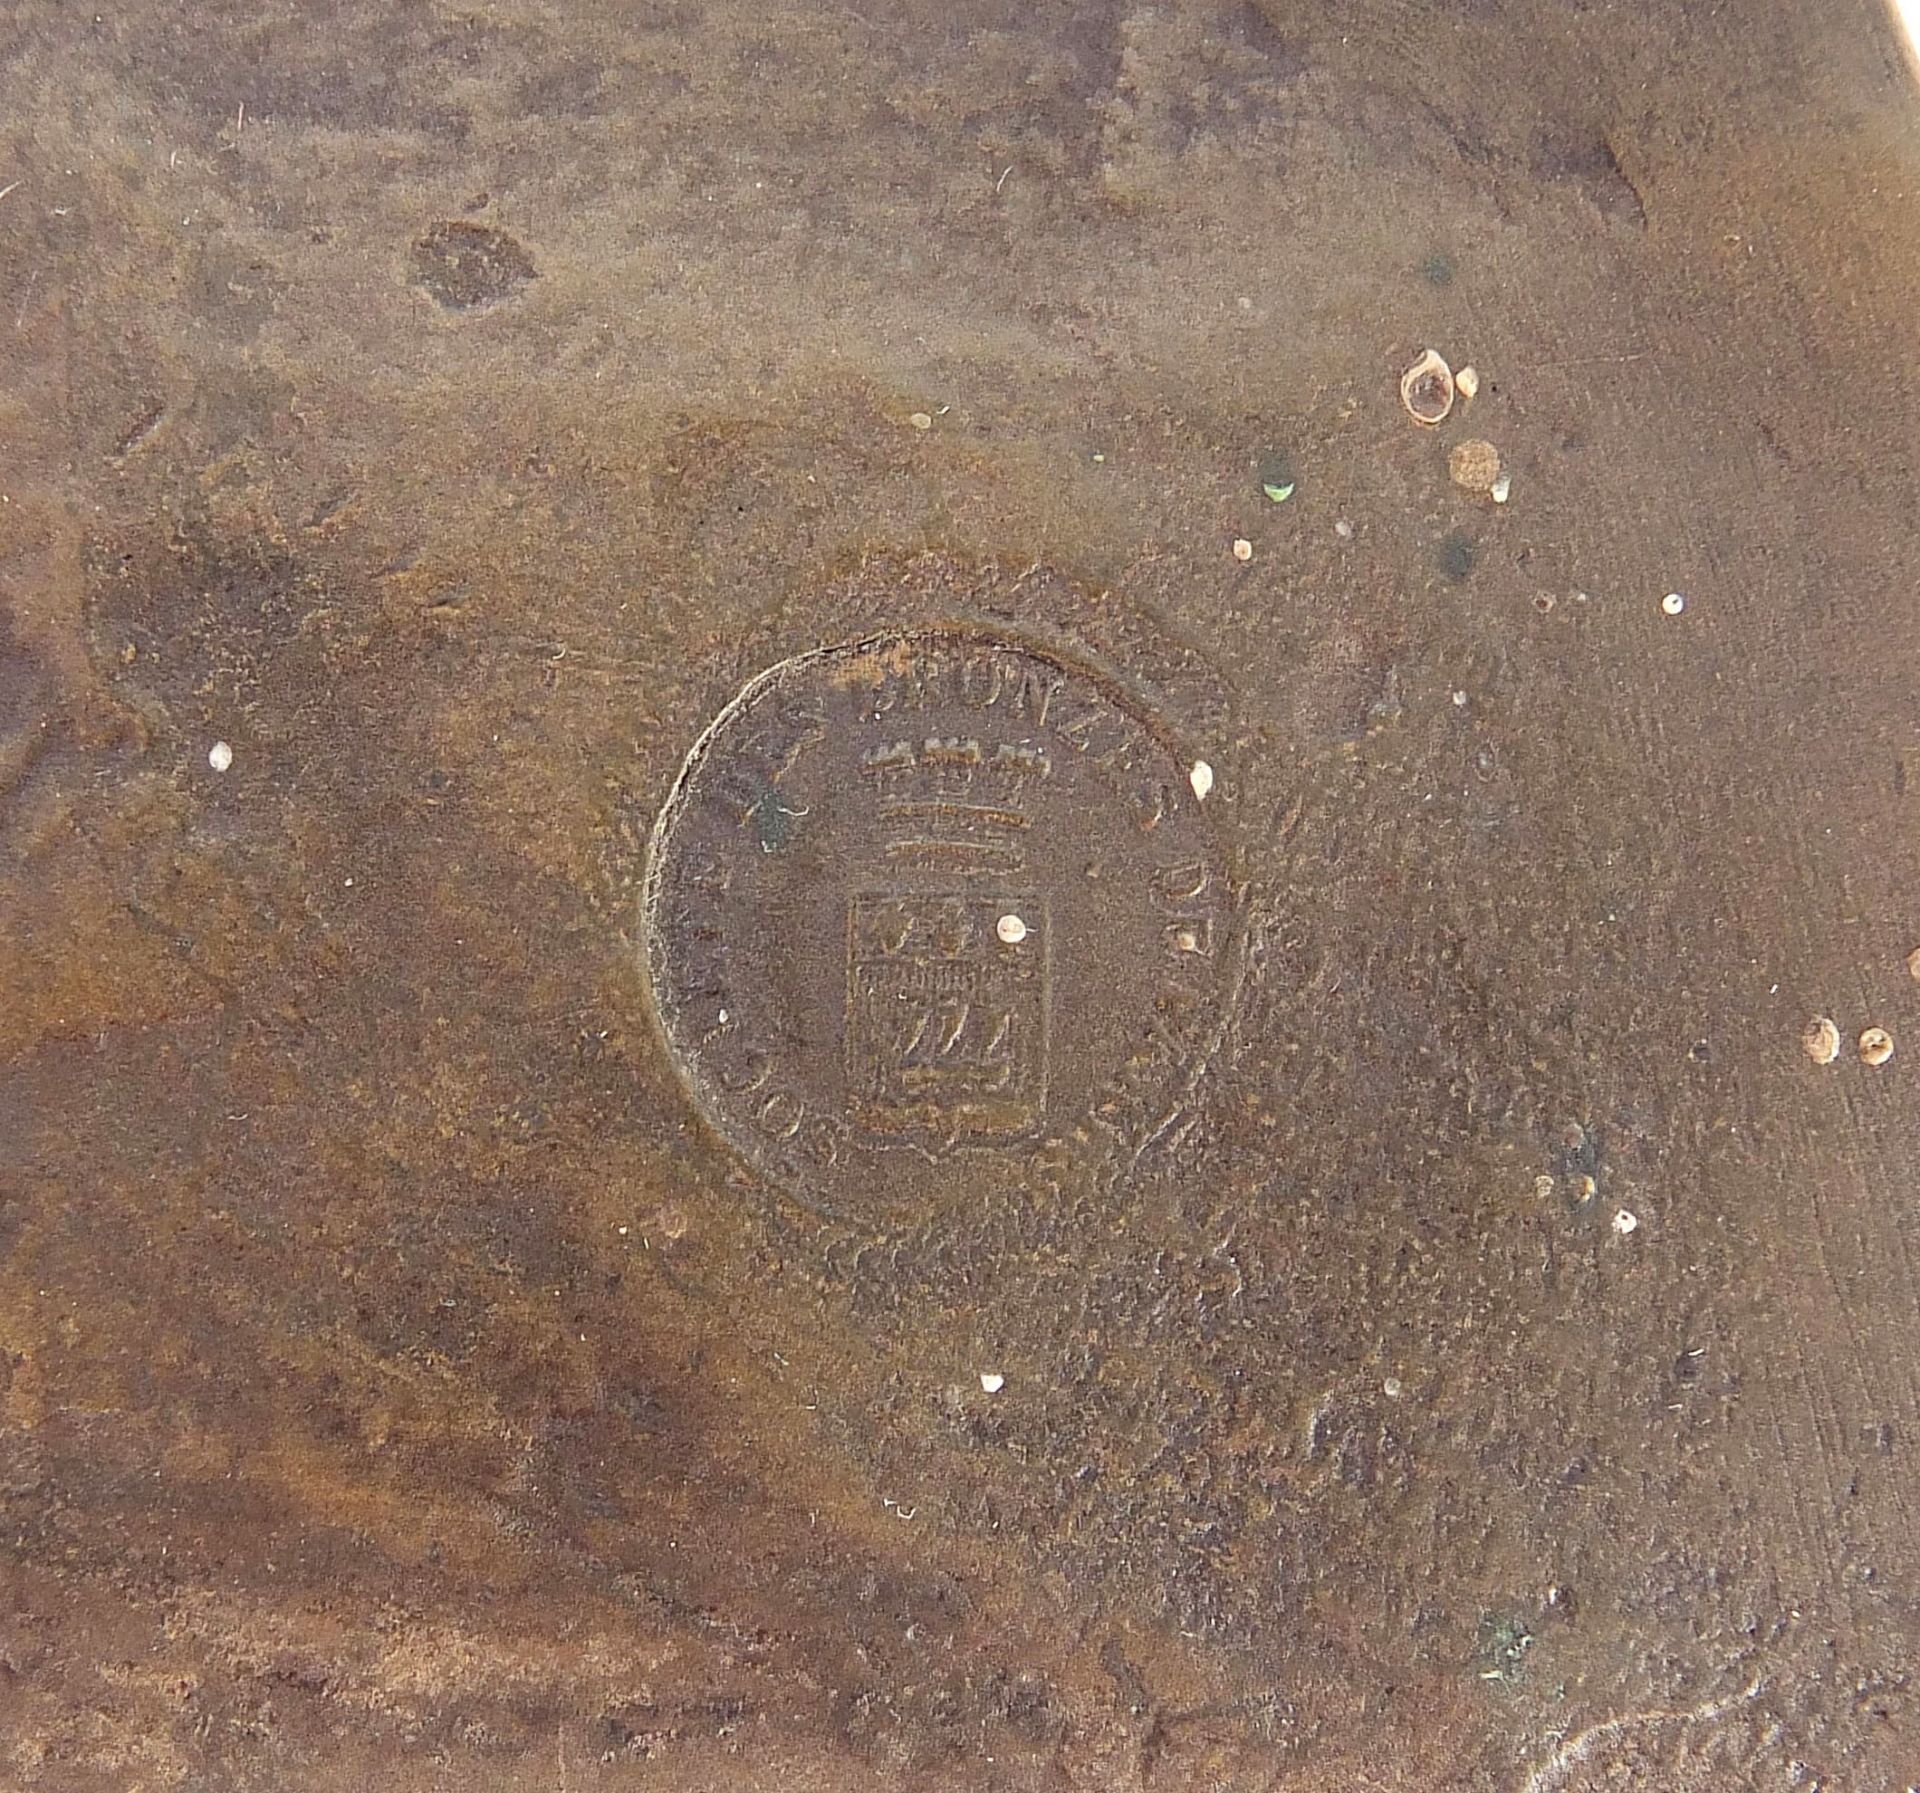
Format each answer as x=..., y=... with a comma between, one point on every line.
x=947, y=1014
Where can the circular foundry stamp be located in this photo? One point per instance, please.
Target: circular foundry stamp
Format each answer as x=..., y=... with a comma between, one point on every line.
x=921, y=902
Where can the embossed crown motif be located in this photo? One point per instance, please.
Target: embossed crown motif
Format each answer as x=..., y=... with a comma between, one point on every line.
x=954, y=801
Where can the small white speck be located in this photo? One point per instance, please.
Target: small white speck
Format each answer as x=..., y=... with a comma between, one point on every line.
x=1011, y=929
x=1392, y=1388
x=219, y=756
x=723, y=1016
x=349, y=883
x=1459, y=700
x=1242, y=548
x=623, y=1232
x=1673, y=603
x=1501, y=489
x=1201, y=778
x=1625, y=1221
x=1344, y=530
x=992, y=1382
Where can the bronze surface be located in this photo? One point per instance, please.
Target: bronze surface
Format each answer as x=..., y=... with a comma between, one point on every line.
x=1421, y=1319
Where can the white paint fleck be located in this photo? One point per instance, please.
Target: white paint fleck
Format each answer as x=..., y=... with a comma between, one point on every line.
x=1625, y=1221
x=1459, y=700
x=992, y=1382
x=1501, y=489
x=1344, y=530
x=1673, y=603
x=1201, y=778
x=220, y=756
x=1011, y=929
